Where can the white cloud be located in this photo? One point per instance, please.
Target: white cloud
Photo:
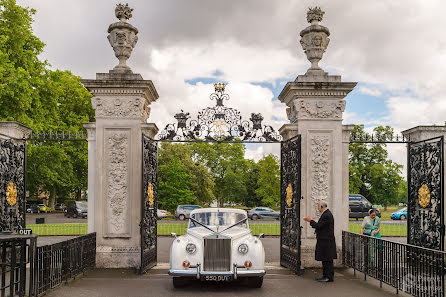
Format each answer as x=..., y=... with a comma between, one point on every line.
x=394, y=46
x=371, y=92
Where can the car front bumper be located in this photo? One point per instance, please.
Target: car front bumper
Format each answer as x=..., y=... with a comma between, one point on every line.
x=235, y=273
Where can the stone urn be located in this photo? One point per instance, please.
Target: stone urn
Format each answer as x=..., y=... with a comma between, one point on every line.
x=314, y=39
x=122, y=37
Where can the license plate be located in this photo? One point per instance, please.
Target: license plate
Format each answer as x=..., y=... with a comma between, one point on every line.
x=216, y=278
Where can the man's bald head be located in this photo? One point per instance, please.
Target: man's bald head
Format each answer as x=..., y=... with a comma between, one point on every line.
x=322, y=205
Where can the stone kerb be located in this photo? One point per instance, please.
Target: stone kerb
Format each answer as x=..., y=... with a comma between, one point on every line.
x=315, y=105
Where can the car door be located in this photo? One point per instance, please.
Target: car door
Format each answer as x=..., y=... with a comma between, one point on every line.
x=261, y=212
x=269, y=213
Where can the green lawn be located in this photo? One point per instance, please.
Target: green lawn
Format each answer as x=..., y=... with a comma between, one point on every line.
x=180, y=228
x=386, y=230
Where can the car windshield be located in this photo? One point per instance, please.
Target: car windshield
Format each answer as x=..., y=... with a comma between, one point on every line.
x=217, y=219
x=403, y=209
x=81, y=204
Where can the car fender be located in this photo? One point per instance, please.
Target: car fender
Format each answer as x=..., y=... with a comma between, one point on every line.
x=178, y=252
x=256, y=252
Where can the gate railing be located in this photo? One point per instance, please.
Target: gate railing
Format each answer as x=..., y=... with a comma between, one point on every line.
x=15, y=253
x=62, y=261
x=415, y=270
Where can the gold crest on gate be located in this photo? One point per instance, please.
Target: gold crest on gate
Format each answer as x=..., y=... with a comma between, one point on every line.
x=11, y=194
x=150, y=194
x=424, y=196
x=289, y=195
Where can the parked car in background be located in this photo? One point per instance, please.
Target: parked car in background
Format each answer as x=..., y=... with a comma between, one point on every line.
x=263, y=213
x=399, y=214
x=360, y=206
x=76, y=209
x=161, y=213
x=33, y=209
x=59, y=206
x=183, y=211
x=218, y=247
x=44, y=208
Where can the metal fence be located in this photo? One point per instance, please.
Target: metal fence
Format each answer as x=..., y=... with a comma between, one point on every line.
x=15, y=253
x=62, y=261
x=415, y=270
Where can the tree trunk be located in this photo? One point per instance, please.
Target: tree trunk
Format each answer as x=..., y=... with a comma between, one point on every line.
x=52, y=198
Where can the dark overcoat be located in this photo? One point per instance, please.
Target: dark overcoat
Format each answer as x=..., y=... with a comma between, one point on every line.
x=326, y=244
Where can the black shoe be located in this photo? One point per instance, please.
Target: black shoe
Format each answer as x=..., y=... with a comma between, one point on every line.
x=325, y=280
x=319, y=278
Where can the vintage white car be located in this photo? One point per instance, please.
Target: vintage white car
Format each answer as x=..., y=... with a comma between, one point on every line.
x=218, y=246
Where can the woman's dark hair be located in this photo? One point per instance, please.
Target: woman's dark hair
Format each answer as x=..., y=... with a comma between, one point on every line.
x=372, y=211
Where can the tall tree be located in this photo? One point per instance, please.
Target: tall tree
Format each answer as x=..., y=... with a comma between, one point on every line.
x=44, y=100
x=372, y=173
x=201, y=182
x=174, y=187
x=268, y=182
x=227, y=163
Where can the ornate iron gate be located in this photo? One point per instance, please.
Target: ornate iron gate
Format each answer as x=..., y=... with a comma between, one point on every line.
x=12, y=184
x=149, y=203
x=425, y=225
x=290, y=196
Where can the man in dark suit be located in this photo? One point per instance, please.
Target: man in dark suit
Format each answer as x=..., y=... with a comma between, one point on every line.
x=326, y=244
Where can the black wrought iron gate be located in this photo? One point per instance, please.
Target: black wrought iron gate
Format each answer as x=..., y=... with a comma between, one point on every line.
x=149, y=204
x=425, y=178
x=290, y=197
x=12, y=184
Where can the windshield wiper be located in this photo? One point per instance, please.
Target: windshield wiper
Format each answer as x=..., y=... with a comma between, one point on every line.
x=203, y=225
x=239, y=222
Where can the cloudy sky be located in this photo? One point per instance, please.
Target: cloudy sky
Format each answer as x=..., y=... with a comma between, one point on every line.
x=395, y=50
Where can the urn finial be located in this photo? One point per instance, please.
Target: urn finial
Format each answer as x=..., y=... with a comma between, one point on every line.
x=122, y=37
x=314, y=40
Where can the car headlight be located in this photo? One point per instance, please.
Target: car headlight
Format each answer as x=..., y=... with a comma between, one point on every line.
x=191, y=248
x=243, y=248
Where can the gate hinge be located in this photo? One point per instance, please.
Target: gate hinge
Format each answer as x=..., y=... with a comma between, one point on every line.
x=301, y=197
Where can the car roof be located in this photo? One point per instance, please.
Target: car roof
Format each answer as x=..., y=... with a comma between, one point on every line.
x=216, y=209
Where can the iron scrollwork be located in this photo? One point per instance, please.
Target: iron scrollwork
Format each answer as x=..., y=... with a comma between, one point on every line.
x=149, y=204
x=425, y=199
x=219, y=124
x=12, y=185
x=290, y=233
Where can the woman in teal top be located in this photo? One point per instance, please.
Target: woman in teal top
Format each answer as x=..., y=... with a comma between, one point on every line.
x=371, y=225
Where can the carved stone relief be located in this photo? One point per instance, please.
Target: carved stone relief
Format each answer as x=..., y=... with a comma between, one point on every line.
x=117, y=176
x=319, y=109
x=121, y=107
x=320, y=147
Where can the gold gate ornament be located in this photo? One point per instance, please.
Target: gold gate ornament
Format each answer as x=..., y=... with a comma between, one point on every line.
x=424, y=196
x=11, y=194
x=150, y=194
x=289, y=195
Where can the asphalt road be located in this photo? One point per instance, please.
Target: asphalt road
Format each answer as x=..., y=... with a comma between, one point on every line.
x=278, y=281
x=52, y=218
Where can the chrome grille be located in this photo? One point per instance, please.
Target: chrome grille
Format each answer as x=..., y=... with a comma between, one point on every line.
x=217, y=253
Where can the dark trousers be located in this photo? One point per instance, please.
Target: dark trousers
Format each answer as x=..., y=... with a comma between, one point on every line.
x=328, y=269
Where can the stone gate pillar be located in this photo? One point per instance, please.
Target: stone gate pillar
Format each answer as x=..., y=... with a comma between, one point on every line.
x=121, y=101
x=316, y=103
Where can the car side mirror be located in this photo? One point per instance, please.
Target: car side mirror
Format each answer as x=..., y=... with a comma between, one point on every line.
x=174, y=235
x=261, y=235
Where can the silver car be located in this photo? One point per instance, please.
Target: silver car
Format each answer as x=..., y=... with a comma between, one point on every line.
x=263, y=213
x=183, y=211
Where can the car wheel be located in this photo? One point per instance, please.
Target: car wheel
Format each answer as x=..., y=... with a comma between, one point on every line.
x=255, y=281
x=402, y=217
x=74, y=215
x=178, y=282
x=182, y=218
x=254, y=217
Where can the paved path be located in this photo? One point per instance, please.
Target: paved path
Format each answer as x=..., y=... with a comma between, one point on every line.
x=278, y=282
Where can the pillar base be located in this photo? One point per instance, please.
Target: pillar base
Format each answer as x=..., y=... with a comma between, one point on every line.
x=118, y=257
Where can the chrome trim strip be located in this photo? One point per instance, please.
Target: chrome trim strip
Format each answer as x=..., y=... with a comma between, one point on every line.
x=197, y=273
